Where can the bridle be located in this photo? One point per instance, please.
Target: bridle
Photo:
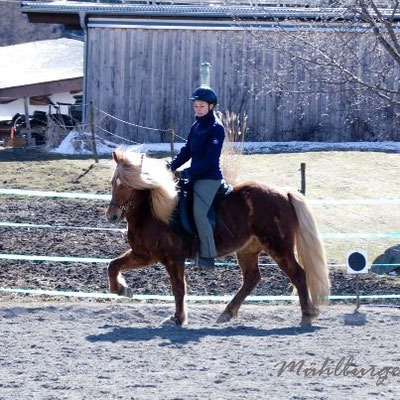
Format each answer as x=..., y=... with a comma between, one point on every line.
x=123, y=207
x=128, y=204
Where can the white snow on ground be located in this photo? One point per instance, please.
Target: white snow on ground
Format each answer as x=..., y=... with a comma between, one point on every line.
x=80, y=144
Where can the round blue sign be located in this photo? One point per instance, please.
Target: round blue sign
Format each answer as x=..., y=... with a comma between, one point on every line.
x=357, y=261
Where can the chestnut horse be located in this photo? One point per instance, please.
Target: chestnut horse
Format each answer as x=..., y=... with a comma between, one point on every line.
x=252, y=219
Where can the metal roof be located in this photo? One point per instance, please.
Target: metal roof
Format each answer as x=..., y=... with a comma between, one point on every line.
x=210, y=11
x=173, y=10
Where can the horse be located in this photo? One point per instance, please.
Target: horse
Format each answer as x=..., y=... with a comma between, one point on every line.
x=252, y=219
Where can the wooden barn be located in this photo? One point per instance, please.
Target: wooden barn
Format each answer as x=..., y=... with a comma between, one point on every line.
x=142, y=61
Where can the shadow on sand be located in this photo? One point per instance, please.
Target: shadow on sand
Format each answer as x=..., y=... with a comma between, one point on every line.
x=177, y=335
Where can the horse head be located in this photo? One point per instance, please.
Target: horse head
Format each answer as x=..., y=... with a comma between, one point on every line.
x=135, y=172
x=122, y=194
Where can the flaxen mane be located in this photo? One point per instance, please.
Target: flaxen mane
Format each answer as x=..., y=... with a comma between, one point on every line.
x=137, y=171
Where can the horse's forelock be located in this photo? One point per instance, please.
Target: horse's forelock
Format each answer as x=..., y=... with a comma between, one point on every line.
x=128, y=168
x=137, y=171
x=118, y=155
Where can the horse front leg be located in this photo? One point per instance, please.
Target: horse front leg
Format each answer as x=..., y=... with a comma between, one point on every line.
x=176, y=272
x=127, y=261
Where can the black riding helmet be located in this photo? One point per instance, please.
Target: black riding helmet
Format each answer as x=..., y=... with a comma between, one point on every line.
x=205, y=93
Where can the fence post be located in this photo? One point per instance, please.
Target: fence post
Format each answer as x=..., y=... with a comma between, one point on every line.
x=172, y=138
x=93, y=139
x=27, y=121
x=303, y=178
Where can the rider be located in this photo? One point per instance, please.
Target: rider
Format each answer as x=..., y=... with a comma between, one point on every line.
x=203, y=147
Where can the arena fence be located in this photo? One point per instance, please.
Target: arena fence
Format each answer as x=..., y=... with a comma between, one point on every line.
x=155, y=297
x=191, y=298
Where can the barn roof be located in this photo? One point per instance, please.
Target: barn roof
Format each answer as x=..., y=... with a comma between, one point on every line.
x=42, y=67
x=67, y=12
x=163, y=9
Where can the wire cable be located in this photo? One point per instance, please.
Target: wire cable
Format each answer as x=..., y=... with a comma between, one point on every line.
x=118, y=136
x=136, y=125
x=132, y=124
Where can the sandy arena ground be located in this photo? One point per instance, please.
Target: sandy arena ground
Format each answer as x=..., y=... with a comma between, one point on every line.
x=113, y=350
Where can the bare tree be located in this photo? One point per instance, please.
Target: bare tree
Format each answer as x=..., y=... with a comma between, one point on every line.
x=347, y=62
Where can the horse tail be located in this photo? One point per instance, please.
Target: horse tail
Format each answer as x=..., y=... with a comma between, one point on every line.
x=310, y=251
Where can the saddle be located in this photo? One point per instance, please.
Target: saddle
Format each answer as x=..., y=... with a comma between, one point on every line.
x=182, y=221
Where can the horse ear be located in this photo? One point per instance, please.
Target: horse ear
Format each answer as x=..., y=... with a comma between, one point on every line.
x=141, y=161
x=115, y=156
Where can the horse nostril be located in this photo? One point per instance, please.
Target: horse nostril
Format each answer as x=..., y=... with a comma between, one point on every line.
x=112, y=218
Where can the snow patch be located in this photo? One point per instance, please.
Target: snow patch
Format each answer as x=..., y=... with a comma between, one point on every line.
x=80, y=144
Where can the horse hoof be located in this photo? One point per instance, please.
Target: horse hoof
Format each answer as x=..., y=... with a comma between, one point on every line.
x=224, y=317
x=306, y=322
x=171, y=321
x=126, y=292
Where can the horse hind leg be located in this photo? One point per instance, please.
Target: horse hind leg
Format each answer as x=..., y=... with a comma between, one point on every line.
x=248, y=263
x=297, y=276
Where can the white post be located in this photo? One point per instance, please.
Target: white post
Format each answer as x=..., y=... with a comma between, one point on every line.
x=82, y=19
x=205, y=74
x=27, y=122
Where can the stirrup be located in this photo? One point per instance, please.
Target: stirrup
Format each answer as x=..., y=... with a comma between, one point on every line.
x=208, y=264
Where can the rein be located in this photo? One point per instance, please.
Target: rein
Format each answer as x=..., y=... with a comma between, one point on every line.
x=123, y=207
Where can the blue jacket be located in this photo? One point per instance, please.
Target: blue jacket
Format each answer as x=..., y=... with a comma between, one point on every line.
x=204, y=147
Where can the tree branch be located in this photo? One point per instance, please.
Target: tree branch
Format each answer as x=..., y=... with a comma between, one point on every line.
x=393, y=51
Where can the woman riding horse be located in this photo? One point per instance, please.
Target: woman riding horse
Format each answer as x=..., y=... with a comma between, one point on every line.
x=252, y=219
x=203, y=147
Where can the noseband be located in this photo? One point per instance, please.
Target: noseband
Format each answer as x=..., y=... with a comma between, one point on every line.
x=123, y=207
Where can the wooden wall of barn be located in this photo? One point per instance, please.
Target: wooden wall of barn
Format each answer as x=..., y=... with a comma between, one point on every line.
x=146, y=76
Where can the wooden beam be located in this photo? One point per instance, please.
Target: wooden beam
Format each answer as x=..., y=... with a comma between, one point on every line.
x=44, y=88
x=44, y=18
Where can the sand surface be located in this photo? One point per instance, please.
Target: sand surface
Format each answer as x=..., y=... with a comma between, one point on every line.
x=113, y=350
